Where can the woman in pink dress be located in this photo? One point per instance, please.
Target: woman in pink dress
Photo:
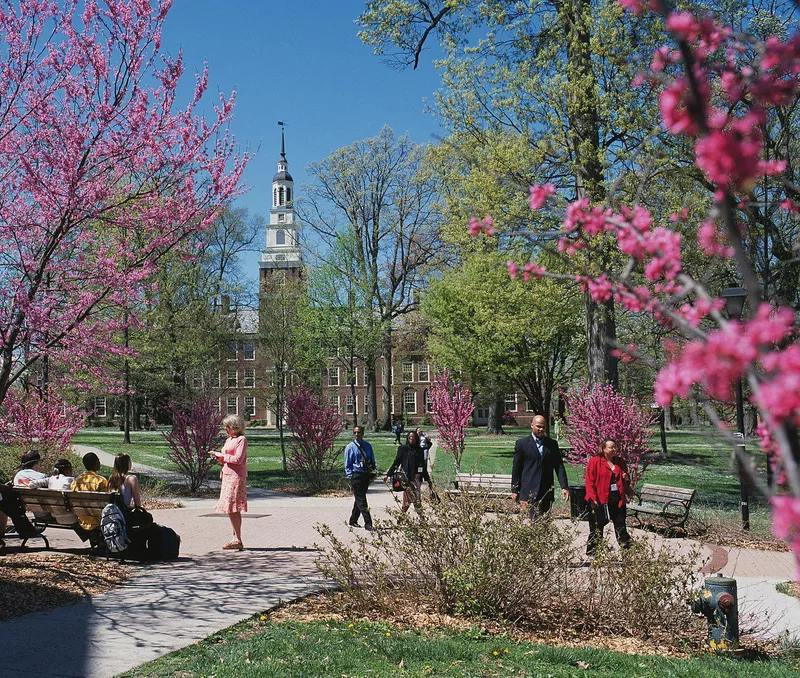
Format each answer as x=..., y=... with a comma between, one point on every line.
x=233, y=495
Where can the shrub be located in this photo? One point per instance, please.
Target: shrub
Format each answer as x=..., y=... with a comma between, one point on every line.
x=601, y=413
x=195, y=431
x=451, y=411
x=315, y=428
x=457, y=559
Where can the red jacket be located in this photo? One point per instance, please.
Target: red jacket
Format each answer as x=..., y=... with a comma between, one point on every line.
x=598, y=480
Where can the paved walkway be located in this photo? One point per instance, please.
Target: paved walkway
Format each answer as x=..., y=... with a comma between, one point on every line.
x=170, y=605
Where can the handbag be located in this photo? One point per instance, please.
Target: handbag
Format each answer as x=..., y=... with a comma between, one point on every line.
x=399, y=481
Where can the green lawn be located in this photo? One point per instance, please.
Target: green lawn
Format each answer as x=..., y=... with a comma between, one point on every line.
x=698, y=459
x=340, y=648
x=263, y=451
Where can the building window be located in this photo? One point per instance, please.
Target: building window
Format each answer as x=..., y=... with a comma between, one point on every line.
x=423, y=372
x=249, y=378
x=394, y=408
x=231, y=354
x=288, y=194
x=249, y=406
x=274, y=197
x=425, y=402
x=333, y=401
x=233, y=378
x=99, y=407
x=408, y=372
x=511, y=402
x=280, y=237
x=216, y=379
x=272, y=379
x=350, y=405
x=410, y=402
x=281, y=196
x=231, y=405
x=281, y=217
x=333, y=376
x=528, y=406
x=249, y=351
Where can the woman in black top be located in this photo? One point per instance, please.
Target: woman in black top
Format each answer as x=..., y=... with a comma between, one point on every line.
x=411, y=460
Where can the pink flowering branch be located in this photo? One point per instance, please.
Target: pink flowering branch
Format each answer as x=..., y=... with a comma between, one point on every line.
x=451, y=412
x=195, y=431
x=315, y=428
x=102, y=174
x=597, y=414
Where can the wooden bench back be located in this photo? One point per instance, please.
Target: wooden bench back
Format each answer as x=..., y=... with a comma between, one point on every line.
x=64, y=507
x=493, y=481
x=665, y=494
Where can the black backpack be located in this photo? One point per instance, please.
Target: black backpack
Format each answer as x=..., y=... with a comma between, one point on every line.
x=163, y=543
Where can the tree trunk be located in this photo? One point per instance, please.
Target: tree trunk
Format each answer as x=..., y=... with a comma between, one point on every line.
x=386, y=382
x=126, y=438
x=669, y=419
x=496, y=411
x=694, y=419
x=371, y=399
x=601, y=333
x=662, y=433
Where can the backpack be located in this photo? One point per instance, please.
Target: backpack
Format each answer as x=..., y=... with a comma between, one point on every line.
x=114, y=529
x=163, y=543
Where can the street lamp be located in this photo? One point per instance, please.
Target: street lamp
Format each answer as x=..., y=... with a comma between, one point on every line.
x=734, y=304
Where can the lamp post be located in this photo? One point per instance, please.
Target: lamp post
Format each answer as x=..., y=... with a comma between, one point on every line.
x=734, y=303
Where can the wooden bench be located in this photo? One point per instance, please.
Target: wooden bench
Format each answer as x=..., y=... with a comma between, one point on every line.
x=62, y=508
x=487, y=485
x=670, y=504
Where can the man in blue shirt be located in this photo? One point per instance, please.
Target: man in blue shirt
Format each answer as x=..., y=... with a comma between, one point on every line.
x=359, y=468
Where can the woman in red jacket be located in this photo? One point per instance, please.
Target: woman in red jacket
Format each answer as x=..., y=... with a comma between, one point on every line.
x=607, y=491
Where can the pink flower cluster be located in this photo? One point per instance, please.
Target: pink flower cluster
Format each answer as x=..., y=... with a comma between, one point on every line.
x=539, y=195
x=485, y=226
x=451, y=413
x=786, y=523
x=531, y=269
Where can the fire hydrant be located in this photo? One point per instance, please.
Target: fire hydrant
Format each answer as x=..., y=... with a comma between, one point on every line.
x=718, y=601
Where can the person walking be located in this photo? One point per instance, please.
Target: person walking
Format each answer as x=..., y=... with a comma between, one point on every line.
x=536, y=459
x=359, y=468
x=607, y=490
x=233, y=493
x=411, y=459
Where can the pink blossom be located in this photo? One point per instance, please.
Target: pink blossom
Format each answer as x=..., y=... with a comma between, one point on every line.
x=600, y=289
x=790, y=206
x=484, y=226
x=684, y=26
x=710, y=241
x=786, y=523
x=635, y=7
x=539, y=195
x=675, y=104
x=727, y=158
x=533, y=269
x=513, y=269
x=451, y=412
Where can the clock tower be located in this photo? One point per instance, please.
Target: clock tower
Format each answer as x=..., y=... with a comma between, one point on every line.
x=280, y=258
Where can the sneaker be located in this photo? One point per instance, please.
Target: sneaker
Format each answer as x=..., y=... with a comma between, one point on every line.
x=369, y=528
x=351, y=524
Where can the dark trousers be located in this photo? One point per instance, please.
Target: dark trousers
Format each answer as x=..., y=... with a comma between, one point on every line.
x=360, y=484
x=598, y=522
x=541, y=505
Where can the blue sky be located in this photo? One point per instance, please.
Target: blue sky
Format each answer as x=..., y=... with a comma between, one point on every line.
x=299, y=61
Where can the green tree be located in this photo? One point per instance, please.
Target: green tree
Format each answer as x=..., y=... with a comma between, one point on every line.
x=505, y=335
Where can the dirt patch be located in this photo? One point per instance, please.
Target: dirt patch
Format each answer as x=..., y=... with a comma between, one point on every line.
x=32, y=582
x=159, y=504
x=789, y=588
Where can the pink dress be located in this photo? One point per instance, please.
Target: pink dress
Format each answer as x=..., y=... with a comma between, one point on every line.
x=233, y=495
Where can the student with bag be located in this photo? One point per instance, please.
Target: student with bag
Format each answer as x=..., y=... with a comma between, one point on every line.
x=359, y=469
x=607, y=491
x=411, y=461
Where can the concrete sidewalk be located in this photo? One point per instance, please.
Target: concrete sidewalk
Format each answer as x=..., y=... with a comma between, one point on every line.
x=170, y=605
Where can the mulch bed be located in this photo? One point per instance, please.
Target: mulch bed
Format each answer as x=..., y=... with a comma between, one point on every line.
x=331, y=605
x=33, y=582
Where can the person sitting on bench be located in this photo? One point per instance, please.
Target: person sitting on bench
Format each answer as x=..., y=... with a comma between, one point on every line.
x=90, y=481
x=30, y=466
x=62, y=477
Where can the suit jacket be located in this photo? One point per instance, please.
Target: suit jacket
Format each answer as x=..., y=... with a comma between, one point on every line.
x=532, y=475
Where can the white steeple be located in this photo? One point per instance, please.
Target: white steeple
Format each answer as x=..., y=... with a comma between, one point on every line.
x=281, y=249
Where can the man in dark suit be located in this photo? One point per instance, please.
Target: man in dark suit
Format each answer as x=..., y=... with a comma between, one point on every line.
x=536, y=459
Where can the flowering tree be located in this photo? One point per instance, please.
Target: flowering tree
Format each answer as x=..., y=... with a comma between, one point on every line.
x=102, y=174
x=315, y=428
x=601, y=413
x=195, y=431
x=451, y=409
x=718, y=91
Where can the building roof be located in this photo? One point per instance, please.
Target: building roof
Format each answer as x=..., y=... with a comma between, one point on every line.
x=283, y=175
x=246, y=320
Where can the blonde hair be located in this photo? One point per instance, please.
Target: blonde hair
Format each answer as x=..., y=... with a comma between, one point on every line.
x=234, y=422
